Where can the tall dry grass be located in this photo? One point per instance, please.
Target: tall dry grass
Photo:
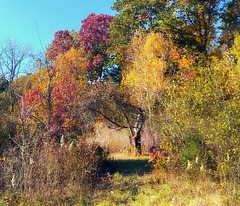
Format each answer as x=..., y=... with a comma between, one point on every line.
x=54, y=174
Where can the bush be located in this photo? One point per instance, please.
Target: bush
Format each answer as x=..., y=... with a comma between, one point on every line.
x=194, y=157
x=159, y=158
x=192, y=150
x=53, y=173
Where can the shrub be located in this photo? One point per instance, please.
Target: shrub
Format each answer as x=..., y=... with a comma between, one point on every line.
x=192, y=150
x=54, y=173
x=158, y=158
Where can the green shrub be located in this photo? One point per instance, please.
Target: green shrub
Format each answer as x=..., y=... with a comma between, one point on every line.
x=192, y=149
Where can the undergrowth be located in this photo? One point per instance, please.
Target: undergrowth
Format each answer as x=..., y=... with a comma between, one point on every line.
x=163, y=189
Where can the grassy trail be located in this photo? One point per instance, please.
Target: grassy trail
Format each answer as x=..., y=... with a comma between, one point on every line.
x=133, y=182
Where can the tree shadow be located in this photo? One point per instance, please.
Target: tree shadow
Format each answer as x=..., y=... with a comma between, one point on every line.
x=127, y=167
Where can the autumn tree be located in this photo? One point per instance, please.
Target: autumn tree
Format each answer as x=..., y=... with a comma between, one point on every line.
x=230, y=22
x=53, y=90
x=63, y=42
x=191, y=24
x=94, y=38
x=148, y=64
x=144, y=77
x=133, y=16
x=196, y=21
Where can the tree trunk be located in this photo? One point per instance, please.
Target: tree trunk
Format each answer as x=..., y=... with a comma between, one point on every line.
x=138, y=130
x=138, y=143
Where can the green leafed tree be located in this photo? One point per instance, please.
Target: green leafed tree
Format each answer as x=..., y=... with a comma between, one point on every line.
x=191, y=23
x=196, y=24
x=230, y=22
x=3, y=84
x=131, y=17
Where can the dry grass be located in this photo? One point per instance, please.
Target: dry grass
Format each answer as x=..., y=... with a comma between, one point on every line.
x=127, y=156
x=129, y=180
x=58, y=174
x=112, y=139
x=118, y=141
x=162, y=189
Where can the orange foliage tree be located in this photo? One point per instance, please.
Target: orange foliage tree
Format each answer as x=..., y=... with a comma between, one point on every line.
x=53, y=89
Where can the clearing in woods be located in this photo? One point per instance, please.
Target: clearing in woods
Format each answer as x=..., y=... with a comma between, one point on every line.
x=132, y=181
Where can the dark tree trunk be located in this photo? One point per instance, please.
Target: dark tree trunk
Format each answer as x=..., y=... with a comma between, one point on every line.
x=138, y=131
x=138, y=143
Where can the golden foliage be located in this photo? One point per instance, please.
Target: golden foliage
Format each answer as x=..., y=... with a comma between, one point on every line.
x=148, y=61
x=71, y=64
x=146, y=64
x=236, y=48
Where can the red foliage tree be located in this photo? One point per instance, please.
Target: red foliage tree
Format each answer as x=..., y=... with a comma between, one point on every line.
x=94, y=31
x=62, y=42
x=62, y=95
x=94, y=38
x=53, y=91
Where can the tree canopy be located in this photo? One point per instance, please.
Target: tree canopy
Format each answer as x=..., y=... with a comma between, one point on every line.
x=165, y=72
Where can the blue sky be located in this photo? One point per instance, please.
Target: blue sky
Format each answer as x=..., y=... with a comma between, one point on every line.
x=21, y=20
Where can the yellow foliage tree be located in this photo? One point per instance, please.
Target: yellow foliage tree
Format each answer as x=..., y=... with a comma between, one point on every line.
x=148, y=61
x=71, y=64
x=146, y=64
x=231, y=67
x=236, y=48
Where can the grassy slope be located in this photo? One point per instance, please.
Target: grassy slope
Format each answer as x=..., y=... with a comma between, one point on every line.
x=132, y=182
